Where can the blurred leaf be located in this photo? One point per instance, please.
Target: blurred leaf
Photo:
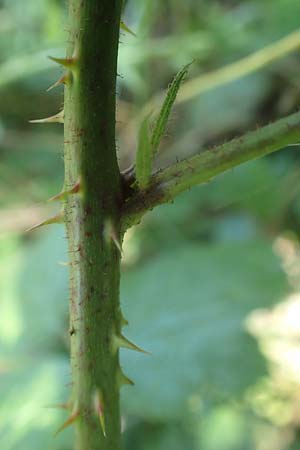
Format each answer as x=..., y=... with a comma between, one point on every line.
x=21, y=66
x=226, y=428
x=26, y=392
x=33, y=310
x=11, y=321
x=153, y=436
x=44, y=303
x=258, y=187
x=188, y=308
x=228, y=107
x=35, y=307
x=27, y=165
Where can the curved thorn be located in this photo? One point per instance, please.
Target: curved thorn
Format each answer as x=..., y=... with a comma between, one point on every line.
x=57, y=118
x=62, y=195
x=59, y=218
x=64, y=79
x=73, y=417
x=70, y=63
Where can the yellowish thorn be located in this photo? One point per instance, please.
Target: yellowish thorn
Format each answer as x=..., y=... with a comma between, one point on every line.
x=117, y=244
x=123, y=379
x=124, y=27
x=57, y=118
x=111, y=235
x=73, y=417
x=60, y=406
x=99, y=409
x=62, y=195
x=59, y=218
x=69, y=63
x=123, y=342
x=64, y=79
x=124, y=322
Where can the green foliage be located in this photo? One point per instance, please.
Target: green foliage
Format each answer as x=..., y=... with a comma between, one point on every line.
x=245, y=210
x=34, y=368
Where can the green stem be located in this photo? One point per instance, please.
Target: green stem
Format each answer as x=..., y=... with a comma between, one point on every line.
x=165, y=185
x=93, y=223
x=240, y=68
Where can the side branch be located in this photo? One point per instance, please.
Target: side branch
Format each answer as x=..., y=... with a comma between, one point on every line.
x=166, y=184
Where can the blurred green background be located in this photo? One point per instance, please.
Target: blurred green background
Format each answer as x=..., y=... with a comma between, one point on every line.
x=210, y=283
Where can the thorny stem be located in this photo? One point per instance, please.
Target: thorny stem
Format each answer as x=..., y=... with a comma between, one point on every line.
x=99, y=206
x=92, y=218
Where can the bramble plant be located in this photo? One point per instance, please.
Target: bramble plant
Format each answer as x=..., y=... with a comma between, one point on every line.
x=100, y=204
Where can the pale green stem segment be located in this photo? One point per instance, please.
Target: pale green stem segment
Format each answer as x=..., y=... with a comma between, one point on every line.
x=165, y=185
x=240, y=68
x=144, y=155
x=90, y=156
x=231, y=72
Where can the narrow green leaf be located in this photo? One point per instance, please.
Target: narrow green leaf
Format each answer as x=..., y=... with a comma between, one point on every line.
x=144, y=155
x=162, y=120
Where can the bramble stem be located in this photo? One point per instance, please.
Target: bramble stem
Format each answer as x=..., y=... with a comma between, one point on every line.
x=165, y=185
x=93, y=220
